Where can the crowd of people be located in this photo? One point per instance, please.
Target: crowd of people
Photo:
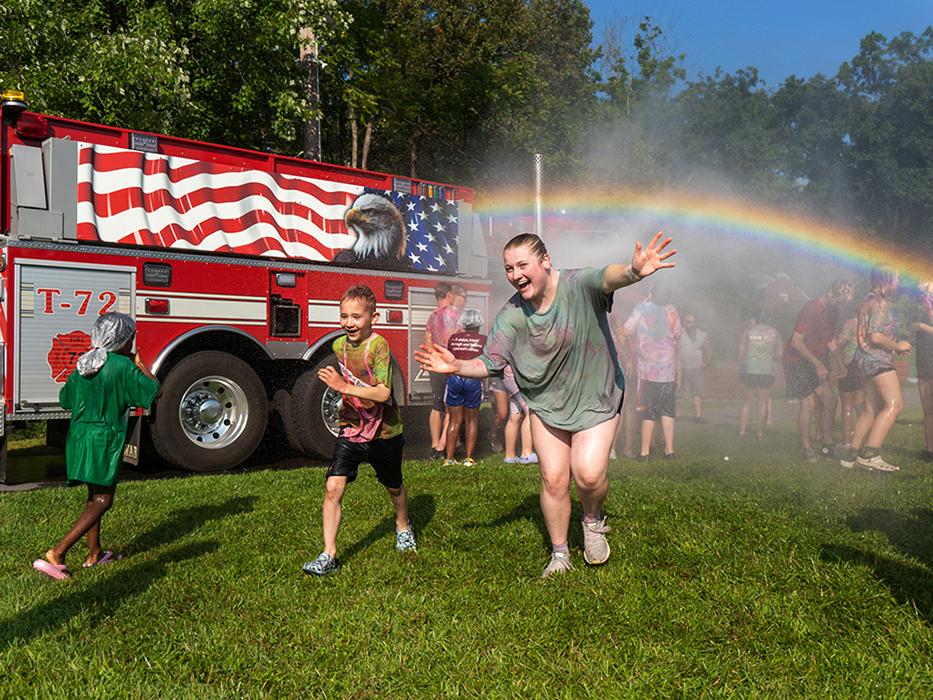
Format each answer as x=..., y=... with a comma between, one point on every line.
x=557, y=369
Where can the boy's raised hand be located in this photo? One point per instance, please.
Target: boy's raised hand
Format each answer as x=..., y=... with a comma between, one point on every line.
x=332, y=378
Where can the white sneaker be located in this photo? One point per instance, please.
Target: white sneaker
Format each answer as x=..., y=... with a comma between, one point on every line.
x=876, y=464
x=559, y=563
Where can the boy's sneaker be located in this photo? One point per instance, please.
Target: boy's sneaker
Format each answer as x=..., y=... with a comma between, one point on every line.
x=496, y=445
x=529, y=459
x=560, y=562
x=451, y=463
x=595, y=546
x=512, y=460
x=828, y=452
x=405, y=541
x=469, y=462
x=323, y=565
x=847, y=458
x=876, y=464
x=437, y=454
x=809, y=455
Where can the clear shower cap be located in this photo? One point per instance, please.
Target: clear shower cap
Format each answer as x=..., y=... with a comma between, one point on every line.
x=110, y=332
x=471, y=318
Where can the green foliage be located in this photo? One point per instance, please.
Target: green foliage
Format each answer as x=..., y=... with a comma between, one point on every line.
x=211, y=69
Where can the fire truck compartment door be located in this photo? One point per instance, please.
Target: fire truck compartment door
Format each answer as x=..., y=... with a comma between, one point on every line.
x=55, y=308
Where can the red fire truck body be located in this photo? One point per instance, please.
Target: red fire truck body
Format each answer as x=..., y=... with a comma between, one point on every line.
x=235, y=332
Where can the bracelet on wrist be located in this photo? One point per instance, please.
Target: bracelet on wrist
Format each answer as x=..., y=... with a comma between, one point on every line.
x=632, y=275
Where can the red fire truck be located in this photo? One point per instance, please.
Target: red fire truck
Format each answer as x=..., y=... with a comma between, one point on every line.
x=232, y=263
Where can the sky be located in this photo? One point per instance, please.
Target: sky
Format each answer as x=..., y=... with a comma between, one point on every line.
x=791, y=37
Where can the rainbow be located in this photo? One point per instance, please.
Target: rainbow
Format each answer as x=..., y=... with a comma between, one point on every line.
x=667, y=209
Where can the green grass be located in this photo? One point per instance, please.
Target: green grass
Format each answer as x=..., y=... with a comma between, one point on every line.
x=761, y=576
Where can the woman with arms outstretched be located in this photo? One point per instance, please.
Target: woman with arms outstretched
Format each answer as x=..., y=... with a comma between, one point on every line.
x=554, y=332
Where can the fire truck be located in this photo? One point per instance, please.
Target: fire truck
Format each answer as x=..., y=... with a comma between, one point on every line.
x=232, y=263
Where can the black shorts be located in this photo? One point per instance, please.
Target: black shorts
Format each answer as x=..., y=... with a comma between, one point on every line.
x=852, y=381
x=384, y=455
x=756, y=381
x=801, y=379
x=438, y=389
x=657, y=399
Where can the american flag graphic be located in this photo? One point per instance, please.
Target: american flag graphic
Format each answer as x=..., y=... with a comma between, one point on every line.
x=137, y=198
x=432, y=229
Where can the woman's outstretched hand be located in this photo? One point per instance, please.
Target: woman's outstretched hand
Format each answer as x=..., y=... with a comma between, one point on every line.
x=650, y=259
x=436, y=358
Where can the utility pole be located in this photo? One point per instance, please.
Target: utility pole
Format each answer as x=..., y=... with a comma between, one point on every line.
x=310, y=65
x=539, y=214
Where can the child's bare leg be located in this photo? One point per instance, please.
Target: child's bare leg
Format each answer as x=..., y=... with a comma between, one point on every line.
x=667, y=428
x=743, y=414
x=471, y=420
x=454, y=421
x=527, y=440
x=647, y=432
x=399, y=498
x=761, y=404
x=511, y=434
x=100, y=498
x=332, y=510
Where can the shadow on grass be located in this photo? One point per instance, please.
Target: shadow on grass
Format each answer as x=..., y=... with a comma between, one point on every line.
x=421, y=510
x=187, y=520
x=912, y=535
x=530, y=509
x=100, y=600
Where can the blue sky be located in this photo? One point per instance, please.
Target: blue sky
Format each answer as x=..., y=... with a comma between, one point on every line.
x=779, y=38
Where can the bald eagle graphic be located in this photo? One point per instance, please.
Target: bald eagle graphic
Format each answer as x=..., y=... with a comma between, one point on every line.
x=380, y=234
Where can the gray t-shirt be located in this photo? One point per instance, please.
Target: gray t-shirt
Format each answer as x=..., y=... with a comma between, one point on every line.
x=564, y=359
x=691, y=349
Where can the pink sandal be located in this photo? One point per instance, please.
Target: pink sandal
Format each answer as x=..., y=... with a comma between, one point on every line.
x=57, y=571
x=106, y=558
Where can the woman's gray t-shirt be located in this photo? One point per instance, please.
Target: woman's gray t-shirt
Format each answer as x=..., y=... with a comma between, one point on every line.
x=564, y=359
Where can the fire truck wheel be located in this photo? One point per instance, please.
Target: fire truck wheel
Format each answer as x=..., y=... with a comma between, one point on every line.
x=212, y=412
x=309, y=413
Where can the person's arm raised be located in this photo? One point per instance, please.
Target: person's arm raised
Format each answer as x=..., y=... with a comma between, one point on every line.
x=645, y=261
x=438, y=359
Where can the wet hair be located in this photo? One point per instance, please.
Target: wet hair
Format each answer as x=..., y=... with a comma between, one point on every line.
x=361, y=293
x=534, y=243
x=471, y=318
x=442, y=289
x=882, y=276
x=840, y=286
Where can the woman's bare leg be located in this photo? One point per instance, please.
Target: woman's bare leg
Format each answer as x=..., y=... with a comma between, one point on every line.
x=888, y=386
x=743, y=414
x=589, y=459
x=762, y=398
x=471, y=429
x=553, y=445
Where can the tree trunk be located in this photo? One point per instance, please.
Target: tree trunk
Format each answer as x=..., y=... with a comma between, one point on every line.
x=354, y=137
x=413, y=154
x=367, y=139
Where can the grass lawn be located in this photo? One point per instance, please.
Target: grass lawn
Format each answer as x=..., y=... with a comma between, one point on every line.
x=761, y=575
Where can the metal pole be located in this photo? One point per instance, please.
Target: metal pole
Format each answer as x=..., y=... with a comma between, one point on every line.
x=539, y=214
x=310, y=64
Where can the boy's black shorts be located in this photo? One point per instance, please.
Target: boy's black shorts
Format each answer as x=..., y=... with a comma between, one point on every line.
x=657, y=399
x=384, y=455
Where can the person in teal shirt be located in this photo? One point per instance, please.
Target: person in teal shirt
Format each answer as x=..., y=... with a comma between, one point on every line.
x=554, y=332
x=108, y=380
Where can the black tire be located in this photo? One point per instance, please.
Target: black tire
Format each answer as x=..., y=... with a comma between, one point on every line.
x=303, y=409
x=212, y=412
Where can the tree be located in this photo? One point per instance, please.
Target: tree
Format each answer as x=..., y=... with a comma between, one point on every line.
x=219, y=70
